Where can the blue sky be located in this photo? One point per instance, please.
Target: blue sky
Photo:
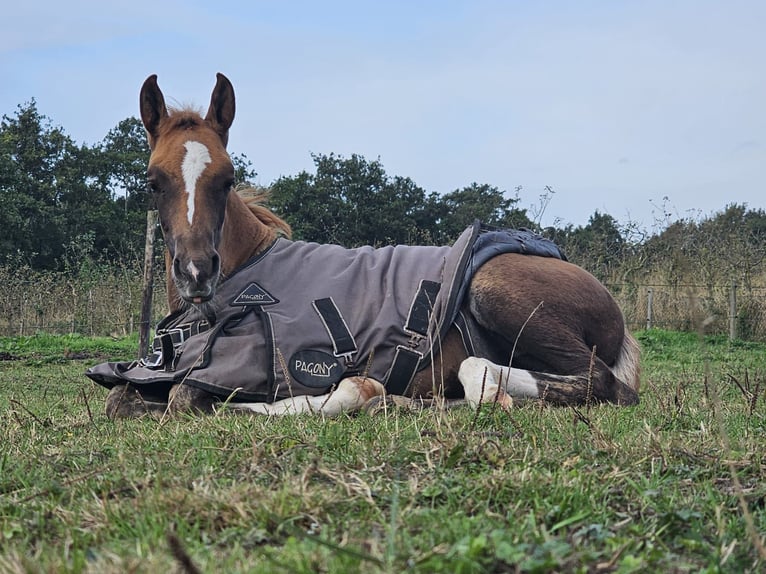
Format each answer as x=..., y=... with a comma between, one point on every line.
x=615, y=105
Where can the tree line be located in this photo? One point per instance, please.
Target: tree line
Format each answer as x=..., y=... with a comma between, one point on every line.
x=60, y=200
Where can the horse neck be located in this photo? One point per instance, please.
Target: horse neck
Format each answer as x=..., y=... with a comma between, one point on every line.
x=243, y=235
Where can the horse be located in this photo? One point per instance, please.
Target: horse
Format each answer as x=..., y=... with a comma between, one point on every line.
x=551, y=331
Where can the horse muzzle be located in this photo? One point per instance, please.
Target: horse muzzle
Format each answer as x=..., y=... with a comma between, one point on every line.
x=197, y=279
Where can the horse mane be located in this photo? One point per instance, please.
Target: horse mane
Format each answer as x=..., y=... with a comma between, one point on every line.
x=256, y=198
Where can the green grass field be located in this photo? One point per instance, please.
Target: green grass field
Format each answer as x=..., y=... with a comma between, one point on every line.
x=673, y=485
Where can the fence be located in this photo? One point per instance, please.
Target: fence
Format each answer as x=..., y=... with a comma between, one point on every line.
x=109, y=303
x=734, y=310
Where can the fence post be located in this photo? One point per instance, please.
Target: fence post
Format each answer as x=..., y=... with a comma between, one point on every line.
x=649, y=297
x=145, y=322
x=733, y=310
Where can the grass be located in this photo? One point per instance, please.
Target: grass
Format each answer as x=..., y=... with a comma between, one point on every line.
x=667, y=486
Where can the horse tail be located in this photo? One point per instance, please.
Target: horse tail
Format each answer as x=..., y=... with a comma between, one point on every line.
x=627, y=367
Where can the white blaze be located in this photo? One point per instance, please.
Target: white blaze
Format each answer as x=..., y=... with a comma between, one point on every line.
x=195, y=161
x=193, y=271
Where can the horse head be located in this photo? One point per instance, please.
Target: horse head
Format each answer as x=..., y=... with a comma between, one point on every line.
x=190, y=176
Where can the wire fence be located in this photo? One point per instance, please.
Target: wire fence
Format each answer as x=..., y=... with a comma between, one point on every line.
x=109, y=304
x=735, y=310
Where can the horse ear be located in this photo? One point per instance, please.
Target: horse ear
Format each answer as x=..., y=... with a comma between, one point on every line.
x=153, y=109
x=221, y=112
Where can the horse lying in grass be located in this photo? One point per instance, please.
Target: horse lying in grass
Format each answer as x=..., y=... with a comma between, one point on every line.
x=257, y=324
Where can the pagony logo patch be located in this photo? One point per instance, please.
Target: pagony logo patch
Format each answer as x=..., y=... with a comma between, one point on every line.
x=315, y=368
x=254, y=294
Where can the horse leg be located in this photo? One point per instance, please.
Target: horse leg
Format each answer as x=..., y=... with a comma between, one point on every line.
x=558, y=326
x=125, y=401
x=569, y=372
x=187, y=399
x=485, y=382
x=351, y=395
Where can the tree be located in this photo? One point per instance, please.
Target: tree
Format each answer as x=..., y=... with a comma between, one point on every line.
x=450, y=214
x=598, y=246
x=56, y=195
x=354, y=202
x=243, y=169
x=117, y=170
x=37, y=163
x=124, y=159
x=349, y=202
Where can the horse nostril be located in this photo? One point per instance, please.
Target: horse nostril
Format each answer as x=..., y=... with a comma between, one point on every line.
x=215, y=263
x=176, y=266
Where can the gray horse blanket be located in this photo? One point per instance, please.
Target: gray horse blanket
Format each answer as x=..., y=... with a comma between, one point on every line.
x=301, y=316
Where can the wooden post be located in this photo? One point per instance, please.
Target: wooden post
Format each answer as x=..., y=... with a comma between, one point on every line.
x=733, y=311
x=145, y=322
x=649, y=297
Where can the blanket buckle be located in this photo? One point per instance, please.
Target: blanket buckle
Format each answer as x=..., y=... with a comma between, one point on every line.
x=166, y=342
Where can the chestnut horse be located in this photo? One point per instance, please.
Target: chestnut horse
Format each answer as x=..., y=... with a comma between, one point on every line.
x=557, y=326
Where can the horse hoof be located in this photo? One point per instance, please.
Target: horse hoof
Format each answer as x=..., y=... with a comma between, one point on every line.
x=125, y=402
x=186, y=399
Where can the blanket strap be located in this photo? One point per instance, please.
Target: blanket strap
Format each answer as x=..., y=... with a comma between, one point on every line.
x=419, y=315
x=167, y=341
x=407, y=358
x=343, y=342
x=403, y=369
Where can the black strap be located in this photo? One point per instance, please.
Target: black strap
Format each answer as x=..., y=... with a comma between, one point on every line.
x=402, y=370
x=167, y=341
x=167, y=350
x=420, y=311
x=178, y=334
x=342, y=341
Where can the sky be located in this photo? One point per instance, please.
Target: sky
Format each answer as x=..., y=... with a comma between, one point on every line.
x=647, y=110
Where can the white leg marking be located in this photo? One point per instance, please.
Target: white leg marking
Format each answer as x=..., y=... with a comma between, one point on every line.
x=195, y=161
x=519, y=383
x=352, y=393
x=480, y=374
